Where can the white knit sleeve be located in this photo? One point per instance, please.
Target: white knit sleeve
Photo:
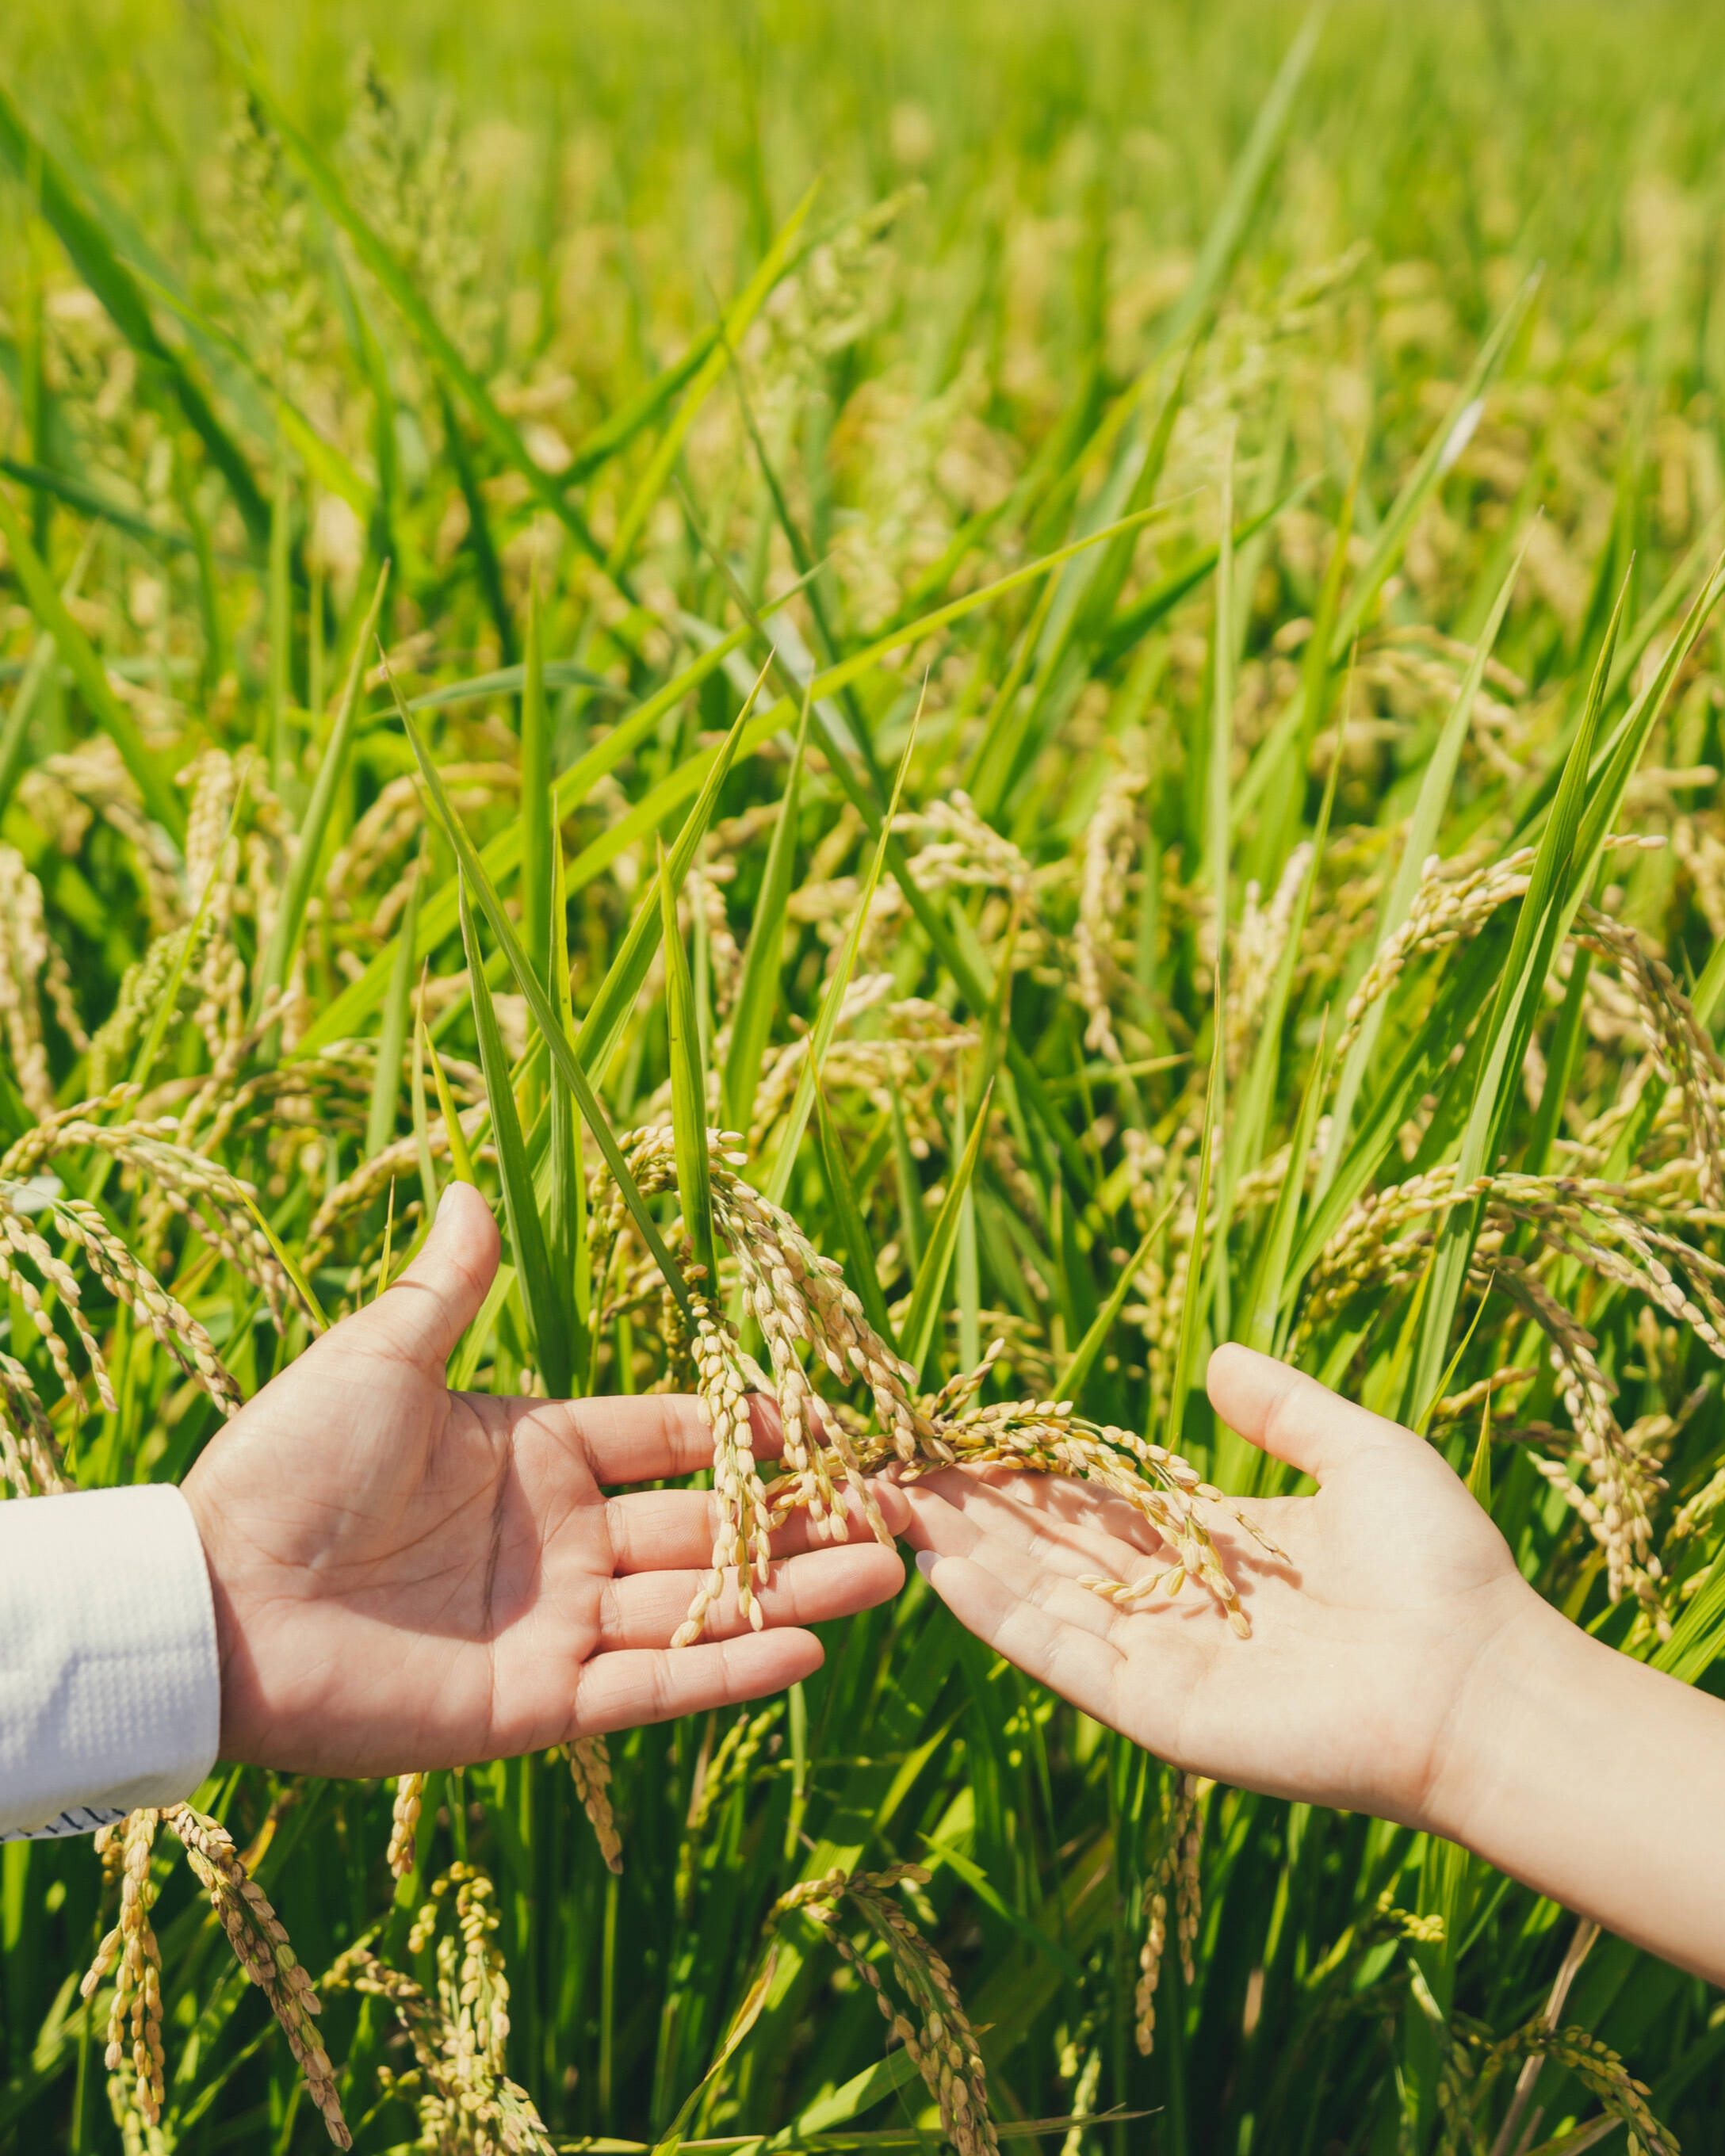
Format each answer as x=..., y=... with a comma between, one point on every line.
x=110, y=1691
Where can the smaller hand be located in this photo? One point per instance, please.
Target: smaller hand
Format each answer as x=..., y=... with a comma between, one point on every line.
x=406, y=1576
x=1364, y=1644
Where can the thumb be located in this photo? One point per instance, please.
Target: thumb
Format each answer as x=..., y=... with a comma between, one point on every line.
x=435, y=1299
x=1292, y=1416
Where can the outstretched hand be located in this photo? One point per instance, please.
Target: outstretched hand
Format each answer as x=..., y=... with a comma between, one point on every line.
x=1364, y=1644
x=1398, y=1664
x=406, y=1576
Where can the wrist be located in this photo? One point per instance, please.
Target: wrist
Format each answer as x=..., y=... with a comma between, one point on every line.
x=1525, y=1660
x=221, y=1598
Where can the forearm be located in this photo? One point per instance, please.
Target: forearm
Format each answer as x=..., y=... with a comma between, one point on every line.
x=1597, y=1781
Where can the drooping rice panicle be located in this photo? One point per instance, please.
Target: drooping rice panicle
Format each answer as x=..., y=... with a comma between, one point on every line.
x=260, y=1946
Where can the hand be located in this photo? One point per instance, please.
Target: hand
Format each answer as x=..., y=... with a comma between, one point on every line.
x=1366, y=1647
x=407, y=1577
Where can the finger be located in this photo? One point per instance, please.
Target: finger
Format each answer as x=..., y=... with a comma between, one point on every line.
x=1292, y=1416
x=952, y=1513
x=1041, y=1640
x=1046, y=1572
x=656, y=1530
x=653, y=1437
x=646, y=1608
x=623, y=1690
x=429, y=1307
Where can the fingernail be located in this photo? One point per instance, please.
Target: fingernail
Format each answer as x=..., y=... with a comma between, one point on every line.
x=443, y=1202
x=925, y=1561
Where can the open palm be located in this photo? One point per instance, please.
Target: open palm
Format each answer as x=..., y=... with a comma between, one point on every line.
x=1363, y=1644
x=406, y=1576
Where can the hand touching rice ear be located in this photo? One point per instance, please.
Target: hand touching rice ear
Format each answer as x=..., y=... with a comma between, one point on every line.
x=406, y=1576
x=1398, y=1664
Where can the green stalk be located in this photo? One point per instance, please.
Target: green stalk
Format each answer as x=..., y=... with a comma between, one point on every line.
x=96, y=263
x=314, y=824
x=566, y=1210
x=688, y=1077
x=564, y=1056
x=864, y=1272
x=838, y=985
x=549, y=1339
x=460, y=1158
x=928, y=1292
x=1422, y=835
x=1519, y=986
x=392, y=1033
x=86, y=668
x=279, y=585
x=539, y=819
x=15, y=730
x=757, y=992
x=1192, y=1301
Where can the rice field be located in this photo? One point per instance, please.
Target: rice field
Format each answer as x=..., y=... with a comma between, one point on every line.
x=1090, y=635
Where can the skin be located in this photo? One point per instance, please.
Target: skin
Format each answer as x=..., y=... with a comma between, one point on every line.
x=406, y=1576
x=1398, y=1664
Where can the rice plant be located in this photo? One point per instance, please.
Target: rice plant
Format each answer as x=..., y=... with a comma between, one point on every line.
x=966, y=700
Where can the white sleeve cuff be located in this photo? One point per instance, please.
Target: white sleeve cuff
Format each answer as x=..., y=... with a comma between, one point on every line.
x=111, y=1692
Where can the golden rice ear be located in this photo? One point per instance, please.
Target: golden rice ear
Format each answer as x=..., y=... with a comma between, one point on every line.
x=30, y=1460
x=130, y=1952
x=590, y=1770
x=404, y=1824
x=261, y=1945
x=1177, y=1866
x=940, y=2040
x=458, y=2029
x=742, y=1530
x=27, y=976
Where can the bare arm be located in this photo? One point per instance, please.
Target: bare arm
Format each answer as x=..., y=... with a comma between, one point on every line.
x=1398, y=1663
x=1598, y=1781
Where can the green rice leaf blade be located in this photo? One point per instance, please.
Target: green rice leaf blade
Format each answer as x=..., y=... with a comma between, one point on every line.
x=832, y=1000
x=1192, y=1304
x=707, y=376
x=566, y=1212
x=314, y=828
x=539, y=831
x=392, y=1033
x=1251, y=1115
x=927, y=1292
x=607, y=1013
x=1698, y=1638
x=1228, y=227
x=564, y=1056
x=503, y=854
x=461, y=1155
x=1398, y=520
x=1264, y=1296
x=1070, y=1382
x=94, y=258
x=549, y=1339
x=1510, y=1021
x=470, y=1348
x=845, y=1204
x=87, y=670
x=422, y=1129
x=757, y=992
x=1434, y=787
x=688, y=1088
